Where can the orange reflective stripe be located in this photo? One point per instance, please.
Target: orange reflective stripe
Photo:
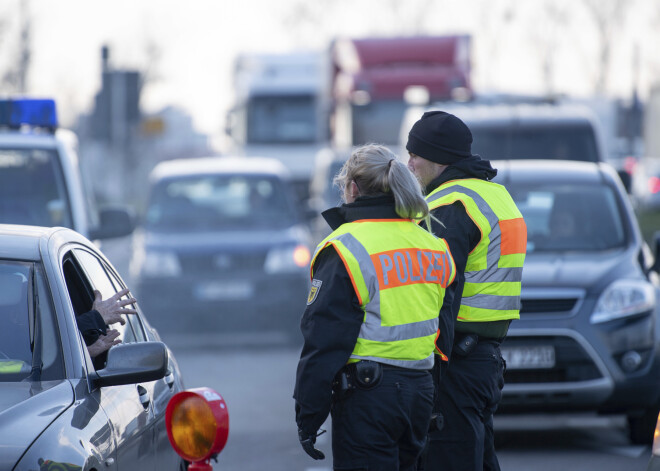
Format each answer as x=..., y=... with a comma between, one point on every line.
x=514, y=236
x=403, y=267
x=383, y=220
x=438, y=352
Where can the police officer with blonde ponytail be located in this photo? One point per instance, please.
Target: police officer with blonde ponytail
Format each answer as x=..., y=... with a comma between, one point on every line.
x=378, y=284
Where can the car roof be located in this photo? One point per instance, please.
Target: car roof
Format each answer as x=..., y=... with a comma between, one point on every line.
x=507, y=115
x=22, y=242
x=19, y=242
x=556, y=171
x=219, y=165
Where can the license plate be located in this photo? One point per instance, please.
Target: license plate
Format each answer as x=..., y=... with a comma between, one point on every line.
x=217, y=291
x=529, y=357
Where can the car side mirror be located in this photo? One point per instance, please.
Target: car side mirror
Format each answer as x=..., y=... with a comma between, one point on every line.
x=113, y=222
x=133, y=363
x=626, y=179
x=656, y=243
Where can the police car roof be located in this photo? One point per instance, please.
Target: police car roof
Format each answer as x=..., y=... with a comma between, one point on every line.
x=219, y=165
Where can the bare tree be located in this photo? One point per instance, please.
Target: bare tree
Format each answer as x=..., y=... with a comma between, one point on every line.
x=609, y=19
x=15, y=77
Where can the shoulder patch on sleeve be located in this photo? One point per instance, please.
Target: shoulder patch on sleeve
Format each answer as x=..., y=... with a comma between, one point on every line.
x=314, y=291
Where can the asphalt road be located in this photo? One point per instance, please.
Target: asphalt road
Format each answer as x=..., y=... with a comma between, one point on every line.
x=255, y=376
x=257, y=381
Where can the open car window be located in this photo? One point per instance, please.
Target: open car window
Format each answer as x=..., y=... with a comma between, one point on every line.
x=108, y=285
x=84, y=272
x=30, y=347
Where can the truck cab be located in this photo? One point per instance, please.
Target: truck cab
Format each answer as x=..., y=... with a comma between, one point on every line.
x=279, y=111
x=40, y=179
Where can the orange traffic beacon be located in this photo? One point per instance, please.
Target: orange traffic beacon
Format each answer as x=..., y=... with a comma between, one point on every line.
x=197, y=426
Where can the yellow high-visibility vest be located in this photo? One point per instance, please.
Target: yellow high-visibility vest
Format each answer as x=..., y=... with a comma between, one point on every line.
x=13, y=366
x=399, y=272
x=493, y=273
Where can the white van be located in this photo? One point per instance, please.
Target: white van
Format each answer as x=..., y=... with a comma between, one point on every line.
x=524, y=130
x=40, y=180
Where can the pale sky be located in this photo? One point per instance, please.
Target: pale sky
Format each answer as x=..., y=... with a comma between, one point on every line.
x=196, y=41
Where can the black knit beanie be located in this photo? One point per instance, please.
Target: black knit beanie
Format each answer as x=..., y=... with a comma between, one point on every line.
x=440, y=137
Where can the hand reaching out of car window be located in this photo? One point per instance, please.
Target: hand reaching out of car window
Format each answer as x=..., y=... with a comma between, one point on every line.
x=104, y=342
x=111, y=309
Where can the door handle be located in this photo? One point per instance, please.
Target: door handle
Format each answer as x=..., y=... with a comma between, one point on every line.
x=144, y=397
x=169, y=378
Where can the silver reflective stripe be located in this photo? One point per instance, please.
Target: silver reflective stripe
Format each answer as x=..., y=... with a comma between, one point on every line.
x=368, y=271
x=415, y=330
x=371, y=327
x=493, y=274
x=492, y=302
x=495, y=236
x=425, y=364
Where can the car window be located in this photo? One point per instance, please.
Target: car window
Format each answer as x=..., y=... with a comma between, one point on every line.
x=220, y=202
x=277, y=120
x=137, y=326
x=570, y=217
x=32, y=189
x=535, y=142
x=29, y=336
x=101, y=280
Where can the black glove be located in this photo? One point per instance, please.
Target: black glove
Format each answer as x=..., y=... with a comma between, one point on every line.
x=307, y=441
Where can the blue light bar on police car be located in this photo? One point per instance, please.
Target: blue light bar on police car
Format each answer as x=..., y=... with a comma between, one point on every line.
x=15, y=113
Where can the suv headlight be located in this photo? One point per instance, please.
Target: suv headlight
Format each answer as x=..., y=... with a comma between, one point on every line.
x=160, y=264
x=287, y=259
x=624, y=298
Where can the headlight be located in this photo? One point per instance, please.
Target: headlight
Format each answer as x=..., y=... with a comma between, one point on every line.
x=160, y=264
x=287, y=259
x=624, y=298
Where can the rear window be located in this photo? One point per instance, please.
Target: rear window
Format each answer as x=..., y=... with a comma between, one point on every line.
x=220, y=202
x=570, y=217
x=574, y=142
x=32, y=188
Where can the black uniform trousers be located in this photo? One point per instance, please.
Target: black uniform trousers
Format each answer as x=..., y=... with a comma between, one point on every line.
x=470, y=390
x=383, y=428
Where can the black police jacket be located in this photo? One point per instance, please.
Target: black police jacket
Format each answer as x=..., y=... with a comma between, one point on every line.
x=332, y=320
x=462, y=235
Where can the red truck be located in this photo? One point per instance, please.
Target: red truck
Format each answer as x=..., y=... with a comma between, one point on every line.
x=371, y=76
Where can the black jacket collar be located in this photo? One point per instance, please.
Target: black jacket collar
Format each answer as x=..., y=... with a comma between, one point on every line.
x=364, y=207
x=471, y=167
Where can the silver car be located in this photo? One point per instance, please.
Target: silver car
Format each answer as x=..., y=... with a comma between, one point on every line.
x=57, y=410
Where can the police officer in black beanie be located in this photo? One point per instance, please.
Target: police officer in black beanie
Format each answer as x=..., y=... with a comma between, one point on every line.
x=468, y=209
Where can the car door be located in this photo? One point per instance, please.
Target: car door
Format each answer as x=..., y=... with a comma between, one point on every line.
x=128, y=407
x=161, y=393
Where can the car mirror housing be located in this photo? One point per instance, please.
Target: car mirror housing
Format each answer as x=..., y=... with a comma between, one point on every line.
x=133, y=363
x=114, y=222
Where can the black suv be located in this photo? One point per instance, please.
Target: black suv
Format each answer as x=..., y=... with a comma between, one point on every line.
x=587, y=338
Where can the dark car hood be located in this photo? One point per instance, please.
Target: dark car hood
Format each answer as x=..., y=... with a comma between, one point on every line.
x=26, y=409
x=248, y=238
x=576, y=270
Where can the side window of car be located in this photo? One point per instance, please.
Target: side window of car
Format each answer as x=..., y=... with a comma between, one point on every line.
x=101, y=280
x=134, y=320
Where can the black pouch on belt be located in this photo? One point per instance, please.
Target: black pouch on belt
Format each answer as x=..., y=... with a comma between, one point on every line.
x=464, y=345
x=368, y=374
